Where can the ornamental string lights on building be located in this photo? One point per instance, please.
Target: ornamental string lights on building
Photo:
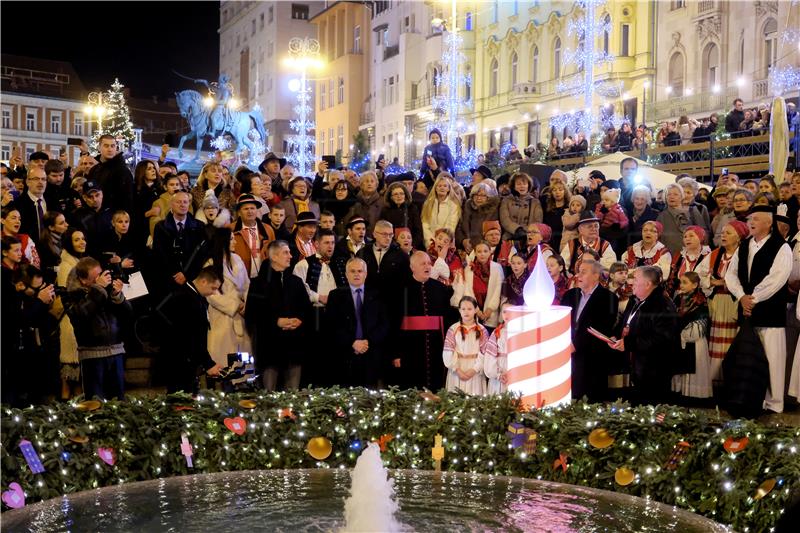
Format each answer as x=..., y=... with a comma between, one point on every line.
x=303, y=55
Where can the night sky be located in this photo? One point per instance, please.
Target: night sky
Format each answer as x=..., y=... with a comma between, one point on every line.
x=144, y=41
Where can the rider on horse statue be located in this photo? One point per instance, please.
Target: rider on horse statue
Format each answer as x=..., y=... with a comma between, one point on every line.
x=222, y=91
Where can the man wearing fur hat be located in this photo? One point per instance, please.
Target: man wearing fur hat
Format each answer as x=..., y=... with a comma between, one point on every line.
x=251, y=236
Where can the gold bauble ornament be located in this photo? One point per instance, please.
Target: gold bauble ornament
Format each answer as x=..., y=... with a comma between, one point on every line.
x=89, y=405
x=624, y=476
x=247, y=404
x=319, y=448
x=765, y=488
x=599, y=438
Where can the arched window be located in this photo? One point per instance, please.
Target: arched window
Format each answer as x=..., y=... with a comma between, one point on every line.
x=436, y=81
x=493, y=78
x=535, y=64
x=711, y=66
x=676, y=74
x=770, y=44
x=513, y=69
x=468, y=86
x=557, y=58
x=606, y=33
x=741, y=56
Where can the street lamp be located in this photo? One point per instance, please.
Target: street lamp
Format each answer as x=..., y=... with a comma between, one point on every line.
x=95, y=107
x=303, y=55
x=645, y=87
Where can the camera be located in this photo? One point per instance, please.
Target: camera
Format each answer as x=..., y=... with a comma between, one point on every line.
x=240, y=373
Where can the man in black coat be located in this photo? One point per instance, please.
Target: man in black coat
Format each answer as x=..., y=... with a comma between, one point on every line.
x=596, y=307
x=387, y=264
x=359, y=327
x=31, y=204
x=277, y=316
x=113, y=175
x=185, y=313
x=649, y=334
x=179, y=242
x=734, y=118
x=94, y=218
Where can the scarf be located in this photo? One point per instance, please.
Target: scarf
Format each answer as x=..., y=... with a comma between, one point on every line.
x=513, y=287
x=480, y=281
x=300, y=206
x=452, y=259
x=691, y=307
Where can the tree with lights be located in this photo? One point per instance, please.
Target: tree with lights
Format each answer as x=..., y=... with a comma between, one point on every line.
x=116, y=116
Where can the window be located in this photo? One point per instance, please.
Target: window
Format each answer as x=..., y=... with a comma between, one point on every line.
x=557, y=58
x=386, y=37
x=6, y=121
x=270, y=48
x=5, y=152
x=677, y=4
x=340, y=137
x=513, y=69
x=581, y=48
x=741, y=56
x=493, y=78
x=330, y=94
x=30, y=121
x=384, y=92
x=253, y=27
x=390, y=91
x=495, y=11
x=341, y=91
x=516, y=8
x=55, y=123
x=468, y=86
x=468, y=22
x=331, y=141
x=261, y=21
x=436, y=81
x=357, y=40
x=711, y=63
x=29, y=149
x=77, y=124
x=299, y=11
x=770, y=44
x=676, y=74
x=624, y=48
x=322, y=140
x=322, y=96
x=270, y=14
x=606, y=33
x=535, y=64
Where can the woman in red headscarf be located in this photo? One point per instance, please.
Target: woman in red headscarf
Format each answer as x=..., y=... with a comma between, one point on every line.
x=650, y=251
x=693, y=252
x=722, y=307
x=444, y=256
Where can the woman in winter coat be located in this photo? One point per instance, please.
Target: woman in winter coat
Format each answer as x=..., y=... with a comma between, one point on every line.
x=211, y=177
x=437, y=152
x=298, y=201
x=368, y=202
x=557, y=205
x=340, y=204
x=442, y=208
x=676, y=218
x=226, y=308
x=481, y=206
x=520, y=208
x=401, y=212
x=73, y=248
x=639, y=213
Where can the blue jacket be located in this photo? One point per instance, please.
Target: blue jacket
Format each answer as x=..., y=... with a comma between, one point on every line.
x=441, y=154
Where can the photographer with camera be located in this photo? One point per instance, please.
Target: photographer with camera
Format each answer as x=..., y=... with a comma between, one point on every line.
x=98, y=309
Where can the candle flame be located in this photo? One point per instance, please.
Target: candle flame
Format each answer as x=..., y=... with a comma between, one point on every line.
x=539, y=290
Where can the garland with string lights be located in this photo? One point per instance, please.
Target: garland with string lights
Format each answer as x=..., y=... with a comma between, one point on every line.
x=735, y=472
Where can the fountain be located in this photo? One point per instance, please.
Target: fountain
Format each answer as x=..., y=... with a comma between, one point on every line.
x=371, y=505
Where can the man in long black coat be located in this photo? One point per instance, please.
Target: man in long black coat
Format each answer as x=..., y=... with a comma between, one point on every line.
x=113, y=175
x=278, y=316
x=596, y=307
x=416, y=358
x=386, y=262
x=358, y=335
x=649, y=334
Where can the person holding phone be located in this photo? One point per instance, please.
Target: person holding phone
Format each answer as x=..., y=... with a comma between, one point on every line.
x=436, y=157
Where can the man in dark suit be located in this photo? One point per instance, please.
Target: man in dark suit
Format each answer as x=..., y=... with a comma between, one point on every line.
x=179, y=242
x=387, y=264
x=596, y=307
x=31, y=204
x=185, y=313
x=649, y=334
x=359, y=326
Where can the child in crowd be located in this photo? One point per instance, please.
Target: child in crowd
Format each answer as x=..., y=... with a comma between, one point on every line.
x=569, y=219
x=464, y=349
x=557, y=268
x=327, y=220
x=511, y=293
x=613, y=220
x=276, y=217
x=495, y=361
x=693, y=370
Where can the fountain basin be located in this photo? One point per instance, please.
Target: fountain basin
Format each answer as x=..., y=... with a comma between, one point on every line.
x=313, y=500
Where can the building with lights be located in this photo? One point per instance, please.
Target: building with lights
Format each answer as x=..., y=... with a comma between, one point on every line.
x=522, y=63
x=713, y=51
x=342, y=87
x=254, y=38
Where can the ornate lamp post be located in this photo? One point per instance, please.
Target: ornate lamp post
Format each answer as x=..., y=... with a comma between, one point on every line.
x=303, y=55
x=95, y=108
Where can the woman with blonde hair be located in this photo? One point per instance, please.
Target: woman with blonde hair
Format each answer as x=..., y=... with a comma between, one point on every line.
x=442, y=208
x=212, y=177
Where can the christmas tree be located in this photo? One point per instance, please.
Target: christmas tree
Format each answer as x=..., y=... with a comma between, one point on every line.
x=116, y=118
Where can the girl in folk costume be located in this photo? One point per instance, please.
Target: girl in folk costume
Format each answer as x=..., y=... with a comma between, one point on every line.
x=650, y=251
x=557, y=269
x=692, y=254
x=511, y=293
x=483, y=280
x=447, y=263
x=722, y=307
x=495, y=360
x=694, y=365
x=442, y=208
x=569, y=220
x=464, y=350
x=618, y=283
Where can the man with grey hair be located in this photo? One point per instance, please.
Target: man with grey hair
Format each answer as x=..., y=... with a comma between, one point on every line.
x=387, y=265
x=757, y=277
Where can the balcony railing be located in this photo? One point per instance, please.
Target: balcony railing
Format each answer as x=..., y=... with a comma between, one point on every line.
x=760, y=88
x=704, y=6
x=687, y=105
x=367, y=118
x=417, y=103
x=391, y=51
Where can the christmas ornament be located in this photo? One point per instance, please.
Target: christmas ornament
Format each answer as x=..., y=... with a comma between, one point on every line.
x=677, y=456
x=88, y=405
x=77, y=439
x=599, y=438
x=238, y=425
x=429, y=396
x=384, y=441
x=340, y=412
x=186, y=450
x=184, y=408
x=247, y=404
x=441, y=416
x=286, y=412
x=107, y=455
x=561, y=462
x=14, y=497
x=437, y=452
x=660, y=418
x=31, y=457
x=319, y=448
x=765, y=488
x=732, y=445
x=355, y=445
x=522, y=437
x=624, y=476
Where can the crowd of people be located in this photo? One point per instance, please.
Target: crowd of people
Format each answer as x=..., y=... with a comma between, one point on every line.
x=378, y=279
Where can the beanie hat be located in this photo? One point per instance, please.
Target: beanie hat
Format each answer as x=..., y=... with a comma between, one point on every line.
x=489, y=225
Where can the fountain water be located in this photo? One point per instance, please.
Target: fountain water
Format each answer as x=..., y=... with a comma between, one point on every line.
x=371, y=505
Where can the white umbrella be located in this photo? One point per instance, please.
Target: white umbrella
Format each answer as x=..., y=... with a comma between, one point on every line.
x=778, y=139
x=609, y=166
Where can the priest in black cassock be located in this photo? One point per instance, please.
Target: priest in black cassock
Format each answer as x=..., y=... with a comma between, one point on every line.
x=417, y=359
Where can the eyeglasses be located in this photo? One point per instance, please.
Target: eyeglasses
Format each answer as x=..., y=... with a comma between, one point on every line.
x=385, y=233
x=480, y=195
x=37, y=179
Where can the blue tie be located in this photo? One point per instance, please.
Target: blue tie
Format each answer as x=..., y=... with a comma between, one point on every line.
x=359, y=303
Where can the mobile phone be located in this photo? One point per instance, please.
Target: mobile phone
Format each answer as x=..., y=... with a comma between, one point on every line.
x=74, y=141
x=725, y=171
x=331, y=160
x=429, y=153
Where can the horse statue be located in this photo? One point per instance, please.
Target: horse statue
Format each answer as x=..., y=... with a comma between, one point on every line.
x=190, y=104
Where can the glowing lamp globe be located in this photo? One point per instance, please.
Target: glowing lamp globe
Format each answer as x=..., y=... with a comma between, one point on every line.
x=539, y=344
x=294, y=85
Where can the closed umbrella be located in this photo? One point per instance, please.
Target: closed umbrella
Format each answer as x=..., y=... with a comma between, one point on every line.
x=778, y=139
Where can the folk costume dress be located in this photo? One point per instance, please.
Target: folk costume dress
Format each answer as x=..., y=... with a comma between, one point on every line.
x=483, y=282
x=694, y=377
x=445, y=270
x=681, y=264
x=722, y=309
x=464, y=349
x=658, y=255
x=495, y=360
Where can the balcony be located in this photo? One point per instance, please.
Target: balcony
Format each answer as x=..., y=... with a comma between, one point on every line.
x=391, y=51
x=366, y=118
x=706, y=102
x=760, y=88
x=417, y=103
x=706, y=6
